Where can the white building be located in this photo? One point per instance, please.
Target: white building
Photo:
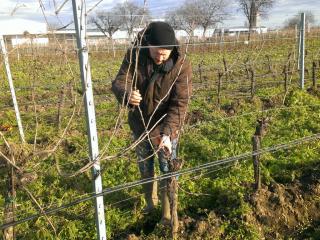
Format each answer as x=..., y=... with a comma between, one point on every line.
x=238, y=30
x=23, y=32
x=17, y=30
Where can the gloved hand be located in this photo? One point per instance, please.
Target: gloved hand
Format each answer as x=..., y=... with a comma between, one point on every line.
x=165, y=144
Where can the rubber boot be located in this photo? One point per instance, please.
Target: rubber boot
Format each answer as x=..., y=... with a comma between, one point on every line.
x=165, y=203
x=151, y=197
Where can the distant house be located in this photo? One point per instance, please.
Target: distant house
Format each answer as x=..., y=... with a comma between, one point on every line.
x=233, y=31
x=18, y=31
x=94, y=36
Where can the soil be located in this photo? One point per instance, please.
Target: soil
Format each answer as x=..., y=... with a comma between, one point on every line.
x=283, y=210
x=279, y=211
x=194, y=117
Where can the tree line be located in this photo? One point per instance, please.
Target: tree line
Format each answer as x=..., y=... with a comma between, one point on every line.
x=188, y=16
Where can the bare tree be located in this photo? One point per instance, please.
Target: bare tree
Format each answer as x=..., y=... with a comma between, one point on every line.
x=131, y=15
x=210, y=12
x=185, y=17
x=197, y=13
x=295, y=20
x=107, y=22
x=254, y=8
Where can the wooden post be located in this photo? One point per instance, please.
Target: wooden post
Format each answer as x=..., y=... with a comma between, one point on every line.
x=10, y=205
x=173, y=197
x=314, y=80
x=247, y=68
x=261, y=130
x=285, y=72
x=290, y=66
x=269, y=64
x=60, y=107
x=200, y=73
x=71, y=93
x=220, y=74
x=253, y=82
x=256, y=144
x=225, y=69
x=172, y=185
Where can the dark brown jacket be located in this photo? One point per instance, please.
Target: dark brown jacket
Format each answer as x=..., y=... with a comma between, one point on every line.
x=169, y=94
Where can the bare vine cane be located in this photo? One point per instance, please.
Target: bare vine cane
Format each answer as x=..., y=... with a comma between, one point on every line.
x=175, y=164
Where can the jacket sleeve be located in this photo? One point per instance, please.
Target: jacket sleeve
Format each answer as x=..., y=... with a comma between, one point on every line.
x=178, y=101
x=122, y=85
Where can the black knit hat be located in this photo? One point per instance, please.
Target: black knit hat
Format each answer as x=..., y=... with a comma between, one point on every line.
x=161, y=34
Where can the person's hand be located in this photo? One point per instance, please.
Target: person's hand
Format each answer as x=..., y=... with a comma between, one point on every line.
x=135, y=98
x=165, y=144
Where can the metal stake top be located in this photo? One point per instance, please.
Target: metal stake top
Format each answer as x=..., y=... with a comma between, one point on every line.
x=302, y=49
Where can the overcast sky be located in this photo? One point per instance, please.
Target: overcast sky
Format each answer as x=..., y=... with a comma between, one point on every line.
x=30, y=9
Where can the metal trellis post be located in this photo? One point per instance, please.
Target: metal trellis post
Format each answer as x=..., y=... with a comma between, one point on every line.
x=302, y=49
x=13, y=94
x=80, y=26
